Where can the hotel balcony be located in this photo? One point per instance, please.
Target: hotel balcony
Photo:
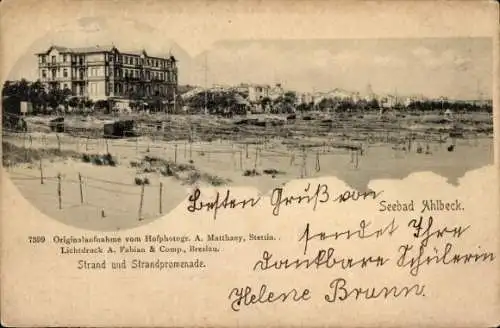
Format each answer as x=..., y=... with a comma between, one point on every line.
x=79, y=78
x=47, y=65
x=50, y=79
x=78, y=63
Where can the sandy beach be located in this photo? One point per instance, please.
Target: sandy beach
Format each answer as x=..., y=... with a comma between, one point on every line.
x=110, y=198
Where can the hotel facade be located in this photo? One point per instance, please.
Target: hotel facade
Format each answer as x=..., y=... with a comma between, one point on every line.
x=100, y=73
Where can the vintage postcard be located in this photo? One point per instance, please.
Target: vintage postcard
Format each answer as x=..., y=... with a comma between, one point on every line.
x=250, y=163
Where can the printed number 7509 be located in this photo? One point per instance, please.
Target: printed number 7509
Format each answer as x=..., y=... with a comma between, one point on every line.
x=36, y=239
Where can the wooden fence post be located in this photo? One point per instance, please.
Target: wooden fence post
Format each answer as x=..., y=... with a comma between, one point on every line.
x=58, y=142
x=256, y=157
x=81, y=187
x=87, y=144
x=25, y=149
x=107, y=147
x=161, y=198
x=190, y=150
x=303, y=172
x=141, y=201
x=41, y=171
x=175, y=153
x=318, y=167
x=59, y=191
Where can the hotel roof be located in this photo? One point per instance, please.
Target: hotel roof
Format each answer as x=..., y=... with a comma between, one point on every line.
x=106, y=48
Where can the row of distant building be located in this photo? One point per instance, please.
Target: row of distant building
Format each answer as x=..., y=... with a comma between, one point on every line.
x=103, y=72
x=257, y=92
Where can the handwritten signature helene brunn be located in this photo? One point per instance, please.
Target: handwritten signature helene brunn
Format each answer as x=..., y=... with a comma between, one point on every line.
x=313, y=196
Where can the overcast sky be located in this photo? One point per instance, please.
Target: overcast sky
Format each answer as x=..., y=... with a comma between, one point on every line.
x=452, y=67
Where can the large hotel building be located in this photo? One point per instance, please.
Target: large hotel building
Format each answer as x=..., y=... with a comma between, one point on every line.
x=103, y=72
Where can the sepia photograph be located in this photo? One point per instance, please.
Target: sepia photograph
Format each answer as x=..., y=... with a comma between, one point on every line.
x=93, y=129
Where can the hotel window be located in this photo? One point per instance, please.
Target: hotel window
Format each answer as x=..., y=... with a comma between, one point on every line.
x=65, y=73
x=64, y=58
x=42, y=59
x=65, y=86
x=93, y=88
x=44, y=73
x=53, y=59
